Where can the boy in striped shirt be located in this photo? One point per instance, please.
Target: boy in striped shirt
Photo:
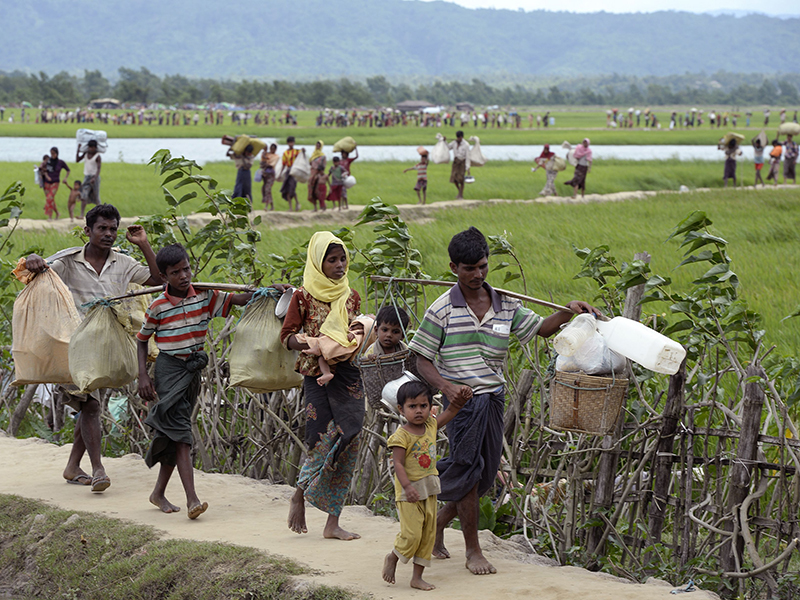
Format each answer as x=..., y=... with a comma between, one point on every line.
x=461, y=345
x=178, y=319
x=422, y=176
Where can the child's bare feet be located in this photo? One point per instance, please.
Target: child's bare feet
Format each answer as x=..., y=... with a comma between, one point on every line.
x=324, y=379
x=389, y=567
x=297, y=513
x=420, y=584
x=162, y=503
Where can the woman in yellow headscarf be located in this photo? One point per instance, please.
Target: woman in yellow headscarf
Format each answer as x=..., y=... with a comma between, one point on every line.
x=317, y=189
x=325, y=304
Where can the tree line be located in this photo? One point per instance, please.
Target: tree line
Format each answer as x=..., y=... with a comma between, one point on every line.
x=145, y=87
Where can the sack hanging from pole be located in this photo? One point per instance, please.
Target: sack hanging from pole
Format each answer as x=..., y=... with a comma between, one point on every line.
x=257, y=359
x=440, y=155
x=301, y=170
x=42, y=323
x=102, y=353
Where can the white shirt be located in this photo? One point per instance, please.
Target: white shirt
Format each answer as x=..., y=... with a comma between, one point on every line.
x=460, y=151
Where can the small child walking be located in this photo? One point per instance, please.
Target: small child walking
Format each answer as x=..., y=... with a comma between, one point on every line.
x=243, y=188
x=336, y=176
x=416, y=481
x=422, y=177
x=758, y=160
x=390, y=322
x=74, y=196
x=178, y=319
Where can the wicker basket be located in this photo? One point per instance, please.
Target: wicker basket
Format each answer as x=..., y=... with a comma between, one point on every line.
x=586, y=403
x=378, y=370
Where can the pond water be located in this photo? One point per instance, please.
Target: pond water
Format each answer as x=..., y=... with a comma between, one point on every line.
x=139, y=150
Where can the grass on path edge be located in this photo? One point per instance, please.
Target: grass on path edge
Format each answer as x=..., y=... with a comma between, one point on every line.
x=53, y=553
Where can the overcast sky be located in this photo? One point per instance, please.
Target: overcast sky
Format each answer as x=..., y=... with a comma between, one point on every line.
x=791, y=7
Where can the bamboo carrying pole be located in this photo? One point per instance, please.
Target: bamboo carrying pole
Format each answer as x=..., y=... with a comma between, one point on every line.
x=516, y=295
x=228, y=287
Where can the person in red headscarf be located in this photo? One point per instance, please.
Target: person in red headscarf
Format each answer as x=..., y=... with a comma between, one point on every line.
x=546, y=160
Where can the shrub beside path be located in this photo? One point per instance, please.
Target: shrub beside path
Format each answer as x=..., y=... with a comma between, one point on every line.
x=253, y=513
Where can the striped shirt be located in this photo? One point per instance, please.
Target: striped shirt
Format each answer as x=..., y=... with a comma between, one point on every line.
x=422, y=171
x=289, y=156
x=87, y=284
x=180, y=324
x=467, y=350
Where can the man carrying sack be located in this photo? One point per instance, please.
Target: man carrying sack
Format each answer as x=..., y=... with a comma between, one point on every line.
x=95, y=271
x=458, y=172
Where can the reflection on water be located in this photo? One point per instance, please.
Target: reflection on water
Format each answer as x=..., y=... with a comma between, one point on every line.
x=203, y=150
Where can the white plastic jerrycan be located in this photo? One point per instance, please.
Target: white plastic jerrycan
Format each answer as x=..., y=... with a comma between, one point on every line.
x=572, y=337
x=641, y=344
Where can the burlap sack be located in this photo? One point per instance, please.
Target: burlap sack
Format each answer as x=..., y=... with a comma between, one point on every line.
x=257, y=359
x=102, y=351
x=43, y=320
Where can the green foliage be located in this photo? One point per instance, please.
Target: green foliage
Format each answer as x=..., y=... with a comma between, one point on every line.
x=11, y=206
x=227, y=244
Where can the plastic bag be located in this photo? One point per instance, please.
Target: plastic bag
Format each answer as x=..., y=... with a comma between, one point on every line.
x=257, y=359
x=280, y=171
x=559, y=164
x=43, y=321
x=346, y=144
x=301, y=170
x=440, y=154
x=102, y=354
x=37, y=176
x=259, y=176
x=84, y=136
x=593, y=357
x=349, y=182
x=476, y=157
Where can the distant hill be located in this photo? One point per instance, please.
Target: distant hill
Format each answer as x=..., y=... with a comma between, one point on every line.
x=305, y=39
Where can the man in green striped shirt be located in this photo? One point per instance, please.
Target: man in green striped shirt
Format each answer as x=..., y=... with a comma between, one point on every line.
x=461, y=345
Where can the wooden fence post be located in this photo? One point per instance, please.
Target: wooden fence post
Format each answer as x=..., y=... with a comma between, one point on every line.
x=607, y=467
x=664, y=454
x=742, y=468
x=21, y=409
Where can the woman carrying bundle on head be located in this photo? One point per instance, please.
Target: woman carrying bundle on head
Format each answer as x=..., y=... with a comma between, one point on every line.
x=325, y=305
x=546, y=160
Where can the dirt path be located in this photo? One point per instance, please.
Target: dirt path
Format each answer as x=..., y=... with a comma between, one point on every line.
x=251, y=513
x=277, y=220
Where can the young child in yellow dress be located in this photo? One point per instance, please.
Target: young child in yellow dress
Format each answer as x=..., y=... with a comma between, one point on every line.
x=416, y=482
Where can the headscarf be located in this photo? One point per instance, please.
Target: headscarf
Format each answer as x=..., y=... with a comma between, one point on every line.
x=317, y=151
x=582, y=151
x=546, y=154
x=334, y=291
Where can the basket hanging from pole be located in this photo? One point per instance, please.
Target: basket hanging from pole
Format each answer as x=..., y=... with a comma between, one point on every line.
x=586, y=403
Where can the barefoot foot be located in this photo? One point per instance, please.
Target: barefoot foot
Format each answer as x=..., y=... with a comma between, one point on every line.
x=389, y=567
x=197, y=510
x=439, y=551
x=324, y=379
x=163, y=504
x=478, y=565
x=421, y=584
x=297, y=514
x=337, y=533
